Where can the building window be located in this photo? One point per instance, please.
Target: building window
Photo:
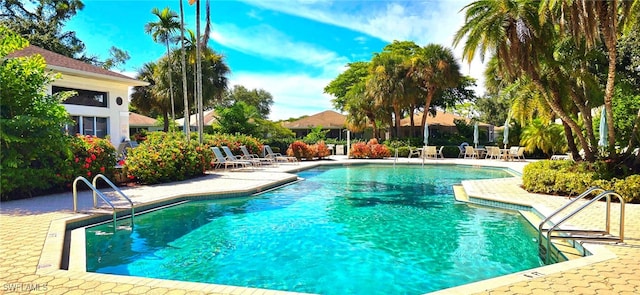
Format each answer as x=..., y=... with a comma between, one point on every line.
x=84, y=97
x=84, y=125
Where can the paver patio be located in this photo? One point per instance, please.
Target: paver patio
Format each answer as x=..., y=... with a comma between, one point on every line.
x=28, y=227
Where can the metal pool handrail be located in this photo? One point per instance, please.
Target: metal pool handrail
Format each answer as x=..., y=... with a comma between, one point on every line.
x=95, y=190
x=114, y=187
x=556, y=226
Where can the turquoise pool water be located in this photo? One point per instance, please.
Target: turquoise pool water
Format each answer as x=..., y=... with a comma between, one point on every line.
x=344, y=230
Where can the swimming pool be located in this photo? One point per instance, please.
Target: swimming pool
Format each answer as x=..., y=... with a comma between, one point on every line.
x=345, y=230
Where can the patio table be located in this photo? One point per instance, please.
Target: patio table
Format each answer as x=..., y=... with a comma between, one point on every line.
x=506, y=155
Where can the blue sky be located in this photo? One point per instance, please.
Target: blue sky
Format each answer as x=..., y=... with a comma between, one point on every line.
x=291, y=48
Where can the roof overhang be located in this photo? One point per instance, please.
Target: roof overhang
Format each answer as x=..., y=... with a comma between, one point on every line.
x=73, y=72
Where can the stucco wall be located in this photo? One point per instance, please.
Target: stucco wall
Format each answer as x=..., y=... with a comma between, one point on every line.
x=118, y=122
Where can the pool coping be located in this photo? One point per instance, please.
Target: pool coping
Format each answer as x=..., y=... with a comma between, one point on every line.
x=51, y=259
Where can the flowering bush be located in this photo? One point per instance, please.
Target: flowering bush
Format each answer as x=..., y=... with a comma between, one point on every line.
x=299, y=150
x=92, y=156
x=378, y=151
x=359, y=150
x=322, y=150
x=372, y=150
x=166, y=157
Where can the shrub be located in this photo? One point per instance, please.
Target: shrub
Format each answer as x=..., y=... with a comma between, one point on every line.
x=92, y=156
x=628, y=188
x=166, y=157
x=372, y=150
x=299, y=150
x=359, y=150
x=34, y=151
x=378, y=151
x=403, y=151
x=322, y=150
x=569, y=178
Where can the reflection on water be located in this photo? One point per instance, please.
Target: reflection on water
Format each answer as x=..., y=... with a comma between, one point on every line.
x=348, y=230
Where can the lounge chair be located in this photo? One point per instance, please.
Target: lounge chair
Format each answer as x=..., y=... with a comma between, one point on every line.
x=519, y=154
x=415, y=152
x=123, y=150
x=429, y=152
x=339, y=149
x=440, y=154
x=461, y=149
x=469, y=152
x=232, y=157
x=493, y=152
x=269, y=154
x=246, y=155
x=221, y=160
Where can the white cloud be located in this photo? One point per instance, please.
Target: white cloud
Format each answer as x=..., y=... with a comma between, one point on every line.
x=294, y=94
x=267, y=42
x=420, y=21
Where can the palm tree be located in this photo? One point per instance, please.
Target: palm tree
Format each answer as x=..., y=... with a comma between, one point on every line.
x=386, y=83
x=511, y=29
x=183, y=59
x=161, y=32
x=544, y=136
x=592, y=20
x=147, y=99
x=434, y=68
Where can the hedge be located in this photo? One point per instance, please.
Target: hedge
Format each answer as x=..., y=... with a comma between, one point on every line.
x=570, y=178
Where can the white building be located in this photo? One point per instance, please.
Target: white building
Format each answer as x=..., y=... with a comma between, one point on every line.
x=101, y=106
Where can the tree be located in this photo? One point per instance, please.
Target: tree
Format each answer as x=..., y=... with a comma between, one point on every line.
x=493, y=109
x=435, y=69
x=511, y=29
x=43, y=26
x=148, y=99
x=258, y=98
x=183, y=68
x=269, y=129
x=34, y=150
x=153, y=99
x=593, y=20
x=161, y=32
x=338, y=87
x=118, y=58
x=546, y=137
x=237, y=118
x=386, y=83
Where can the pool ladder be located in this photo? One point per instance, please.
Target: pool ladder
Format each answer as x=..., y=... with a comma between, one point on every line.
x=555, y=232
x=97, y=193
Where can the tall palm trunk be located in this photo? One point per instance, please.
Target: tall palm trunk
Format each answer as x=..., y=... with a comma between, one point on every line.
x=186, y=127
x=608, y=26
x=427, y=103
x=412, y=109
x=397, y=113
x=571, y=142
x=199, y=75
x=173, y=108
x=553, y=100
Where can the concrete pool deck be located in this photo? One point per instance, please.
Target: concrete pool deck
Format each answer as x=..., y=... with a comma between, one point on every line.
x=32, y=236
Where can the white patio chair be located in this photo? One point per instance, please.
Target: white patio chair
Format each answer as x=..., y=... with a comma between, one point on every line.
x=232, y=157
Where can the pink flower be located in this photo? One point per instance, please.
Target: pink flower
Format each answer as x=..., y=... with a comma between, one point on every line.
x=77, y=160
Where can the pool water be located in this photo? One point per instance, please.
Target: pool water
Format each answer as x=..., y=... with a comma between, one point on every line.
x=345, y=230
